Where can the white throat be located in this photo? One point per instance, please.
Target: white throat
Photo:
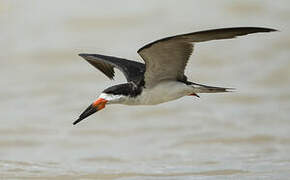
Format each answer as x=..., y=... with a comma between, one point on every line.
x=113, y=99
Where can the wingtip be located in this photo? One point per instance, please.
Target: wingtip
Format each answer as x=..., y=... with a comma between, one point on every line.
x=82, y=54
x=261, y=29
x=258, y=28
x=275, y=30
x=271, y=30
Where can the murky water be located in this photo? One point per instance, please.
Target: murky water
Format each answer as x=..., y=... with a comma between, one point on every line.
x=45, y=86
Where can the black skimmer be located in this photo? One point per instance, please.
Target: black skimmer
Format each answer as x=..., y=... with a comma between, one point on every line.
x=161, y=78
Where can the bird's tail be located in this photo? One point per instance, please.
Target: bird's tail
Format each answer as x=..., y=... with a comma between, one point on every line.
x=200, y=88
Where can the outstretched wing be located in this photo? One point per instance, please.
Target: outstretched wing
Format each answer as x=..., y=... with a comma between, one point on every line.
x=165, y=59
x=132, y=70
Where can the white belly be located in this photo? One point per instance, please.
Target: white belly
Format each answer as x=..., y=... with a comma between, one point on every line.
x=162, y=92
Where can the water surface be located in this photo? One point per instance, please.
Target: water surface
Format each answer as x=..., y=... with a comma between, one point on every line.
x=45, y=86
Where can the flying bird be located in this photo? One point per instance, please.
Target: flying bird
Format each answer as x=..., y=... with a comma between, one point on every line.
x=161, y=78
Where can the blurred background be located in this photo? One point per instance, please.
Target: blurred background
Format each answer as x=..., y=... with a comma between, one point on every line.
x=45, y=85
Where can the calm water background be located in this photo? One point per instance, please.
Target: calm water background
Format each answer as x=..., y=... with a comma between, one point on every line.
x=45, y=86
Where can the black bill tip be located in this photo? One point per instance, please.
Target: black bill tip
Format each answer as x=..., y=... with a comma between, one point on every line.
x=89, y=111
x=77, y=121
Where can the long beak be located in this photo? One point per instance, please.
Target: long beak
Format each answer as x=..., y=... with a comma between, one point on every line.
x=94, y=107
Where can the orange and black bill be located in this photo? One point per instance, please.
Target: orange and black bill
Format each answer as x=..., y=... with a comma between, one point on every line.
x=94, y=107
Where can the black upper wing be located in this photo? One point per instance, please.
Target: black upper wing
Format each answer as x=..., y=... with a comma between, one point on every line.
x=132, y=70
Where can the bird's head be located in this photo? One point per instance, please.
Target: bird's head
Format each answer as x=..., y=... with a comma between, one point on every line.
x=111, y=95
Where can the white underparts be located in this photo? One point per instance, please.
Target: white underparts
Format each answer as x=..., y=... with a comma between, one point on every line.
x=162, y=92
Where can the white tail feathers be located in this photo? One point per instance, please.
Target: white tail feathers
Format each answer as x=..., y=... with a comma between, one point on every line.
x=199, y=88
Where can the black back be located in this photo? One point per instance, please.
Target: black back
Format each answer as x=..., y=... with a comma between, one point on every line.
x=127, y=89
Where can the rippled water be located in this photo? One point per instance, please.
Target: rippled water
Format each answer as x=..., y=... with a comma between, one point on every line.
x=45, y=86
